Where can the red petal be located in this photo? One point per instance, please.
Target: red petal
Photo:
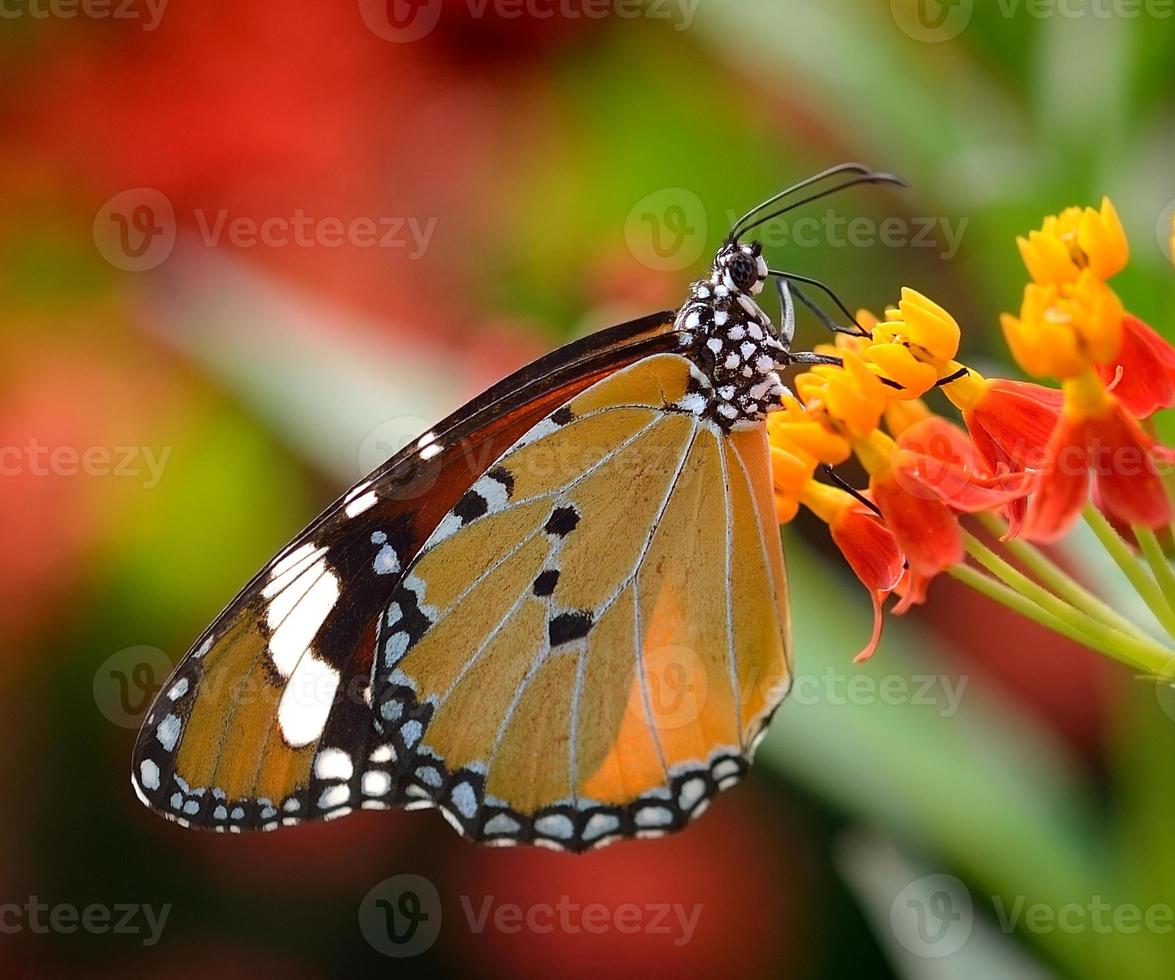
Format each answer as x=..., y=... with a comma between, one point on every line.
x=875, y=638
x=1126, y=465
x=870, y=549
x=1147, y=364
x=925, y=528
x=1017, y=418
x=1062, y=484
x=937, y=460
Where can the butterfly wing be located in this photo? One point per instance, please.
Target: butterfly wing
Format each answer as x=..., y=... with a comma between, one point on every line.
x=267, y=719
x=590, y=641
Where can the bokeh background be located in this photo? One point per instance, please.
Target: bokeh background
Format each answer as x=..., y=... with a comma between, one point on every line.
x=248, y=250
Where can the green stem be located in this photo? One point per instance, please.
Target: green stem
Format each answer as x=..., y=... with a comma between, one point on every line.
x=1060, y=581
x=1005, y=596
x=1139, y=653
x=1124, y=558
x=1160, y=567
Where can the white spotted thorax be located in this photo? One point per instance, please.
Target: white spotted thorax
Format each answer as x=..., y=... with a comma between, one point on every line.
x=734, y=342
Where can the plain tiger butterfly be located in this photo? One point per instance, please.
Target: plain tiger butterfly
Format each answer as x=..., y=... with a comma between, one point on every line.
x=560, y=616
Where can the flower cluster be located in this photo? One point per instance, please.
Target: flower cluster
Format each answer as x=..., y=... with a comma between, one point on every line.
x=1024, y=451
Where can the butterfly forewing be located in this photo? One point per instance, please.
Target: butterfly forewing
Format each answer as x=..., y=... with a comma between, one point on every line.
x=267, y=719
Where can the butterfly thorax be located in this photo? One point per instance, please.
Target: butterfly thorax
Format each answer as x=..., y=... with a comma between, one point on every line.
x=733, y=341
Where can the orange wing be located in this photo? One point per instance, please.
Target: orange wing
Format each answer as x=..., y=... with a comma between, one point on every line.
x=589, y=643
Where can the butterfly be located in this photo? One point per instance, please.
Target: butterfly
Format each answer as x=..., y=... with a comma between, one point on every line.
x=560, y=616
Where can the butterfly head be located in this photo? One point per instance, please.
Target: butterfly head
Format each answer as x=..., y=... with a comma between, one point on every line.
x=740, y=267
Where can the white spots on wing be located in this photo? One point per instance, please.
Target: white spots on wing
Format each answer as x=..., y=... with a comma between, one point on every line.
x=450, y=524
x=693, y=402
x=168, y=732
x=727, y=767
x=360, y=504
x=410, y=732
x=149, y=774
x=204, y=648
x=555, y=825
x=356, y=490
x=429, y=776
x=715, y=344
x=291, y=559
x=334, y=796
x=307, y=700
x=282, y=602
x=431, y=450
x=502, y=824
x=425, y=439
x=542, y=428
x=300, y=624
x=220, y=812
x=396, y=647
x=333, y=764
x=493, y=492
x=376, y=783
x=653, y=816
x=464, y=799
x=599, y=824
x=381, y=754
x=178, y=689
x=387, y=562
x=691, y=791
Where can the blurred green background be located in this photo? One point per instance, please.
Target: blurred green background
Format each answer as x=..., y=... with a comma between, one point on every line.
x=246, y=252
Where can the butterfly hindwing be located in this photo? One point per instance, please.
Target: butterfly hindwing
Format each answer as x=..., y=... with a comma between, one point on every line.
x=589, y=642
x=267, y=719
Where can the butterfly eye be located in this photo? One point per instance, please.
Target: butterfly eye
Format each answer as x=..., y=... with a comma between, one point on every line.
x=743, y=271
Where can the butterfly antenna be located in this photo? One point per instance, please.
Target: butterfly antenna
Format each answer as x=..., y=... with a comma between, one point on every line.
x=848, y=488
x=842, y=168
x=819, y=313
x=871, y=177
